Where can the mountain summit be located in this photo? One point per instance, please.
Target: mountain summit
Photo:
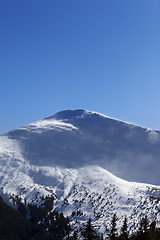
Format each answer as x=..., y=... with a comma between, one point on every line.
x=76, y=138
x=72, y=157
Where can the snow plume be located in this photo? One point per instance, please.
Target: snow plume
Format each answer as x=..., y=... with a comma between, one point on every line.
x=134, y=166
x=76, y=138
x=153, y=136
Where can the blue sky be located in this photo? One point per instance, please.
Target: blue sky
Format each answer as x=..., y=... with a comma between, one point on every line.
x=96, y=55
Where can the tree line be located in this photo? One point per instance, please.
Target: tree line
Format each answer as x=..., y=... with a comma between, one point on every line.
x=145, y=231
x=32, y=222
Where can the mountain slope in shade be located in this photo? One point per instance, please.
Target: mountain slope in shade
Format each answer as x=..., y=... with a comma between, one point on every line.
x=75, y=138
x=70, y=155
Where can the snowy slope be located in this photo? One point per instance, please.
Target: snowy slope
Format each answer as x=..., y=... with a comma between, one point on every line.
x=74, y=138
x=70, y=155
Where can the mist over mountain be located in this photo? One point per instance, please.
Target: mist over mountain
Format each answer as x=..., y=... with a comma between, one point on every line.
x=76, y=138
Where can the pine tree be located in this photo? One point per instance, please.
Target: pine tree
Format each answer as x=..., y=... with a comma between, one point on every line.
x=89, y=233
x=153, y=233
x=143, y=228
x=113, y=230
x=101, y=237
x=124, y=230
x=75, y=235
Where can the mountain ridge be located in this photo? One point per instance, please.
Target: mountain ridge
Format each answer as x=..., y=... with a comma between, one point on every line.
x=80, y=112
x=73, y=138
x=72, y=159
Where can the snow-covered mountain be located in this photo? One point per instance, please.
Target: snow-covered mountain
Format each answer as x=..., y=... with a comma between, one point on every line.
x=72, y=155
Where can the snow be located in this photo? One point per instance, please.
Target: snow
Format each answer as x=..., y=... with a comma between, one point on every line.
x=74, y=138
x=74, y=156
x=41, y=126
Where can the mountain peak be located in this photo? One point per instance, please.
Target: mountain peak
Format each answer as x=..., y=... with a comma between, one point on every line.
x=74, y=114
x=78, y=138
x=74, y=155
x=70, y=114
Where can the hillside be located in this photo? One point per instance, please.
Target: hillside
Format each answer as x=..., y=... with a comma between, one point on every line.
x=74, y=138
x=73, y=155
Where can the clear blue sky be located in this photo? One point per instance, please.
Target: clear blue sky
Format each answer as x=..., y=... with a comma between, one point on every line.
x=67, y=54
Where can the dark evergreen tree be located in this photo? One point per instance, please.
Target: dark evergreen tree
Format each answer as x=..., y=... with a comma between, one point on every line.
x=48, y=204
x=22, y=209
x=89, y=233
x=41, y=226
x=143, y=228
x=124, y=231
x=101, y=237
x=75, y=235
x=153, y=232
x=113, y=230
